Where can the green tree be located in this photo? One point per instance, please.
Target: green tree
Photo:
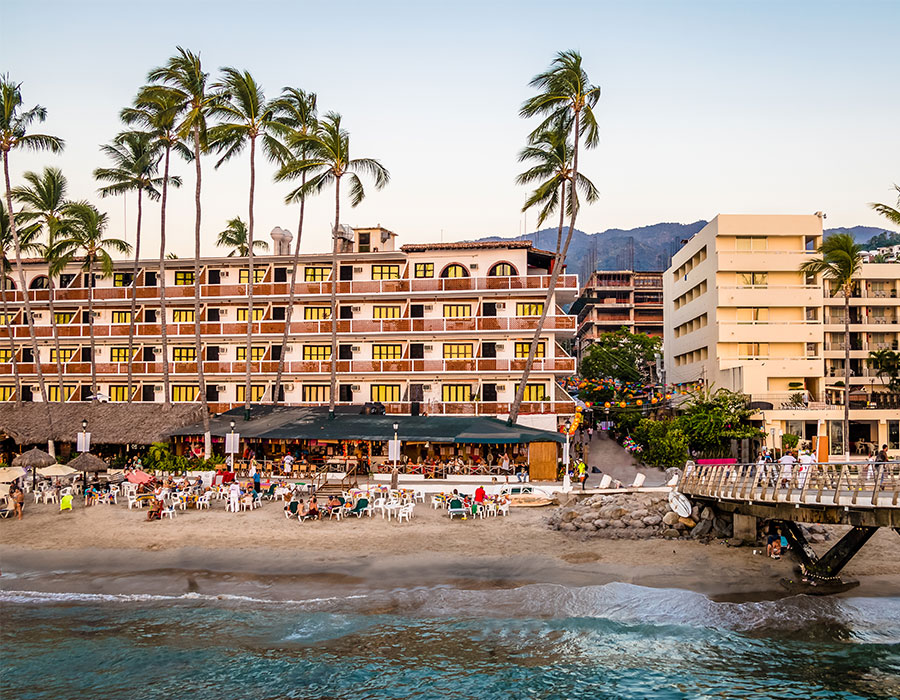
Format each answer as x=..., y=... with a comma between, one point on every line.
x=329, y=157
x=621, y=355
x=565, y=96
x=890, y=213
x=663, y=443
x=711, y=418
x=235, y=237
x=14, y=126
x=85, y=241
x=840, y=262
x=887, y=365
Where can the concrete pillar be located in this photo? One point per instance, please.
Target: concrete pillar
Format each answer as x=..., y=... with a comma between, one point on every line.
x=745, y=527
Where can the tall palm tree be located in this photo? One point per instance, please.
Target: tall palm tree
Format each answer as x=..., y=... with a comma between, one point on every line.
x=245, y=117
x=14, y=125
x=892, y=214
x=235, y=236
x=159, y=112
x=840, y=262
x=135, y=156
x=566, y=95
x=85, y=241
x=45, y=198
x=329, y=157
x=298, y=112
x=183, y=81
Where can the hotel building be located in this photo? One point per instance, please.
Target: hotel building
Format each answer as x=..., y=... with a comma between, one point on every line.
x=427, y=328
x=739, y=315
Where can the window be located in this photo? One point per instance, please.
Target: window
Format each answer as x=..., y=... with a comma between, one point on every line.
x=118, y=393
x=316, y=393
x=385, y=311
x=535, y=392
x=184, y=354
x=258, y=314
x=385, y=272
x=7, y=319
x=316, y=352
x=65, y=354
x=122, y=316
x=149, y=315
x=316, y=313
x=316, y=274
x=184, y=278
x=53, y=392
x=213, y=315
x=183, y=316
x=5, y=355
x=752, y=314
x=257, y=352
x=529, y=308
x=453, y=351
x=122, y=279
x=115, y=354
x=457, y=310
x=416, y=351
x=385, y=392
x=257, y=391
x=65, y=280
x=365, y=242
x=182, y=392
x=6, y=393
x=423, y=270
x=258, y=275
x=753, y=349
x=456, y=393
x=502, y=270
x=754, y=279
x=279, y=313
x=387, y=351
x=523, y=348
x=747, y=243
x=455, y=270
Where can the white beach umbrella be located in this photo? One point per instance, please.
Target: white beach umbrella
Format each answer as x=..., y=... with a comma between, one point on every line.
x=57, y=470
x=9, y=474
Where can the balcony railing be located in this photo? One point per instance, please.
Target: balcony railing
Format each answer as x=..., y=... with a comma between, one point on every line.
x=442, y=408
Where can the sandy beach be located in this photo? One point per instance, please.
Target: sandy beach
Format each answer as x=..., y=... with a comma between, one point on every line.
x=105, y=548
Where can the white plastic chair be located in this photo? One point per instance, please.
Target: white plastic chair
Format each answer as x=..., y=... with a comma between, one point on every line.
x=380, y=504
x=419, y=496
x=405, y=512
x=503, y=508
x=203, y=502
x=436, y=503
x=169, y=510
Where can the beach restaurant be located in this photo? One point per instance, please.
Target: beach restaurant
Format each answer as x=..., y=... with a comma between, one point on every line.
x=434, y=446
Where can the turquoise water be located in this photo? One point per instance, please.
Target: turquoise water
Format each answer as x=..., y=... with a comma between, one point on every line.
x=536, y=641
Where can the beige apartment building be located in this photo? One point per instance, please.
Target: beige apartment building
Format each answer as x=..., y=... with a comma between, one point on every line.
x=739, y=315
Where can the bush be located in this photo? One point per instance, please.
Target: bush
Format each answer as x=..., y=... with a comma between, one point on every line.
x=789, y=441
x=663, y=443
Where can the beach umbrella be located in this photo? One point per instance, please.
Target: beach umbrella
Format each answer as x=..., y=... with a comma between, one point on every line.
x=57, y=470
x=87, y=462
x=10, y=474
x=139, y=477
x=33, y=459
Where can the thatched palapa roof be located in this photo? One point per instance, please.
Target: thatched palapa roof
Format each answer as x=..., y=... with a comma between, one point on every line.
x=108, y=423
x=87, y=462
x=34, y=458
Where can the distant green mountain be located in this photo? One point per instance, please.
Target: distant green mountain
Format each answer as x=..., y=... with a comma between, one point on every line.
x=861, y=234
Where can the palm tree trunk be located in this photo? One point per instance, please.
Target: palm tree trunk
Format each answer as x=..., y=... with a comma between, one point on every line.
x=134, y=275
x=198, y=341
x=848, y=290
x=289, y=312
x=251, y=279
x=162, y=279
x=334, y=283
x=9, y=334
x=91, y=328
x=551, y=288
x=20, y=272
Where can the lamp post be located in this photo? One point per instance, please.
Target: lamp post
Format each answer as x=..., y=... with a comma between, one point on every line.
x=397, y=448
x=566, y=460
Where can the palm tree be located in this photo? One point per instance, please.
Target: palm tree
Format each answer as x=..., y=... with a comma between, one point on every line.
x=245, y=117
x=298, y=111
x=235, y=236
x=159, y=112
x=45, y=198
x=14, y=125
x=135, y=155
x=840, y=263
x=328, y=155
x=566, y=96
x=886, y=363
x=892, y=214
x=182, y=81
x=85, y=241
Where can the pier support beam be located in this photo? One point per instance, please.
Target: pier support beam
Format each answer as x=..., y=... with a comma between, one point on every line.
x=745, y=527
x=829, y=565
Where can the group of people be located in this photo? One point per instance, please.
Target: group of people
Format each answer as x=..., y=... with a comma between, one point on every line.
x=311, y=510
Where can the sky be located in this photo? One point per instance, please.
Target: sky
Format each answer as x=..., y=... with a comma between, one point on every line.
x=707, y=107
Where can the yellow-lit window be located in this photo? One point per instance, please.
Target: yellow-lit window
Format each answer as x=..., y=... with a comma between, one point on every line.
x=385, y=272
x=457, y=311
x=118, y=354
x=753, y=349
x=751, y=313
x=259, y=274
x=455, y=393
x=6, y=393
x=183, y=316
x=257, y=391
x=184, y=354
x=65, y=354
x=385, y=393
x=183, y=392
x=118, y=393
x=457, y=351
x=7, y=319
x=502, y=270
x=455, y=270
x=754, y=279
x=387, y=351
x=5, y=355
x=747, y=243
x=316, y=313
x=529, y=308
x=423, y=270
x=257, y=352
x=316, y=393
x=316, y=352
x=184, y=278
x=53, y=392
x=316, y=274
x=122, y=279
x=386, y=312
x=258, y=314
x=535, y=392
x=121, y=317
x=523, y=348
x=63, y=317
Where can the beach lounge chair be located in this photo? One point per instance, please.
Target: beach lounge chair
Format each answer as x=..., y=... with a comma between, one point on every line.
x=456, y=507
x=270, y=493
x=290, y=510
x=361, y=507
x=5, y=509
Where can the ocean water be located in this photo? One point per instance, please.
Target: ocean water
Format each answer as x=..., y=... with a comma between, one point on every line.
x=615, y=641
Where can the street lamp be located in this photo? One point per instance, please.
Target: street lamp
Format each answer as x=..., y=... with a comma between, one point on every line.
x=566, y=460
x=84, y=425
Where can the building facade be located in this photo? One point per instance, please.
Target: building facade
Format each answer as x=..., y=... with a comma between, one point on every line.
x=740, y=315
x=438, y=329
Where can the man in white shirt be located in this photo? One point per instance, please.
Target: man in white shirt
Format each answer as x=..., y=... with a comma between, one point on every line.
x=234, y=497
x=786, y=463
x=806, y=462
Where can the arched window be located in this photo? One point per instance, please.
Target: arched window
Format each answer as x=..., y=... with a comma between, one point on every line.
x=41, y=282
x=10, y=284
x=503, y=269
x=455, y=270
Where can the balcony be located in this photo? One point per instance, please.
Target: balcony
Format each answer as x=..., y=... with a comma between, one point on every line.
x=441, y=408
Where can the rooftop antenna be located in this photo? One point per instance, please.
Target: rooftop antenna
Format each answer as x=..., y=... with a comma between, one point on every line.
x=442, y=235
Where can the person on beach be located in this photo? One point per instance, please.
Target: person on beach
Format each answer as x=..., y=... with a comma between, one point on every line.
x=155, y=513
x=787, y=461
x=582, y=474
x=19, y=502
x=773, y=544
x=313, y=511
x=234, y=497
x=256, y=482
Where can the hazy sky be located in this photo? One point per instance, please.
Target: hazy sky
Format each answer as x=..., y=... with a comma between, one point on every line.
x=707, y=107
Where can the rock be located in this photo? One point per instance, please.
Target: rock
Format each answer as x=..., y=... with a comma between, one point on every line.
x=599, y=523
x=652, y=520
x=639, y=513
x=706, y=514
x=670, y=518
x=695, y=513
x=568, y=527
x=736, y=543
x=617, y=524
x=569, y=516
x=687, y=522
x=703, y=528
x=817, y=537
x=670, y=534
x=588, y=527
x=612, y=512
